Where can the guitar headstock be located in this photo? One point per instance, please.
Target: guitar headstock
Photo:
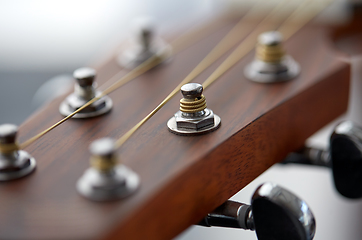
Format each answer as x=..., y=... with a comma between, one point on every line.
x=183, y=176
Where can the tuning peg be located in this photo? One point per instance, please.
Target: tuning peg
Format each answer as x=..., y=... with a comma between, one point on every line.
x=143, y=44
x=84, y=91
x=344, y=157
x=274, y=213
x=194, y=117
x=271, y=64
x=106, y=179
x=14, y=163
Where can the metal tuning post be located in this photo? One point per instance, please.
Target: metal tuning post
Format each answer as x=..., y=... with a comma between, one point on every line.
x=84, y=91
x=271, y=64
x=14, y=163
x=143, y=45
x=274, y=213
x=344, y=157
x=106, y=179
x=194, y=117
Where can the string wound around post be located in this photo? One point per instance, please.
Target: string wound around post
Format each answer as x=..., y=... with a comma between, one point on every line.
x=84, y=91
x=271, y=64
x=194, y=117
x=106, y=179
x=14, y=163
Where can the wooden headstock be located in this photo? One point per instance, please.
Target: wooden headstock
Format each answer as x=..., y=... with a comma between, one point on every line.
x=182, y=178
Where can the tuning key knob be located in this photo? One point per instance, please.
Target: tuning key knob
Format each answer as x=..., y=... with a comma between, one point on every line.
x=279, y=214
x=274, y=213
x=84, y=91
x=344, y=157
x=14, y=163
x=106, y=179
x=271, y=64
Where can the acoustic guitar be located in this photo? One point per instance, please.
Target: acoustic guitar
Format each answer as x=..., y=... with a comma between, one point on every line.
x=182, y=177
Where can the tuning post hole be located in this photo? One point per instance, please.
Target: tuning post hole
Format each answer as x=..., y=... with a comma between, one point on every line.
x=271, y=63
x=84, y=91
x=142, y=45
x=106, y=179
x=194, y=117
x=14, y=163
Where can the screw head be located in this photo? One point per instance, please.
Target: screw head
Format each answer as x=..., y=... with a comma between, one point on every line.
x=192, y=90
x=104, y=147
x=270, y=38
x=8, y=133
x=85, y=76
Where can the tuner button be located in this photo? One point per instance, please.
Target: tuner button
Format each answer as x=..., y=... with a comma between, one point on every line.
x=192, y=90
x=346, y=159
x=8, y=133
x=279, y=214
x=84, y=76
x=275, y=213
x=84, y=91
x=194, y=117
x=106, y=179
x=14, y=163
x=271, y=64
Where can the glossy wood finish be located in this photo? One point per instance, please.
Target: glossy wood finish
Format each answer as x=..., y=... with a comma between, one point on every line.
x=182, y=177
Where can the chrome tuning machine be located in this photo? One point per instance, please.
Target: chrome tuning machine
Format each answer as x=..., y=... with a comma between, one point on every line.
x=344, y=157
x=194, y=117
x=14, y=163
x=271, y=63
x=142, y=45
x=106, y=179
x=274, y=213
x=84, y=91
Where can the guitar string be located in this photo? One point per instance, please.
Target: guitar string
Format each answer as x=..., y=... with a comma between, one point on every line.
x=153, y=61
x=244, y=48
x=180, y=43
x=287, y=29
x=188, y=78
x=249, y=43
x=150, y=63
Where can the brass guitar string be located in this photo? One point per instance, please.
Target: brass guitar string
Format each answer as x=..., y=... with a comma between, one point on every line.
x=150, y=63
x=207, y=61
x=178, y=44
x=145, y=66
x=289, y=26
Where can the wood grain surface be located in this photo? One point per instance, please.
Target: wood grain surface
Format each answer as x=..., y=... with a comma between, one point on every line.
x=182, y=178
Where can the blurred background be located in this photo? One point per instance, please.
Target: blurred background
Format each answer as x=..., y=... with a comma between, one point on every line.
x=43, y=42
